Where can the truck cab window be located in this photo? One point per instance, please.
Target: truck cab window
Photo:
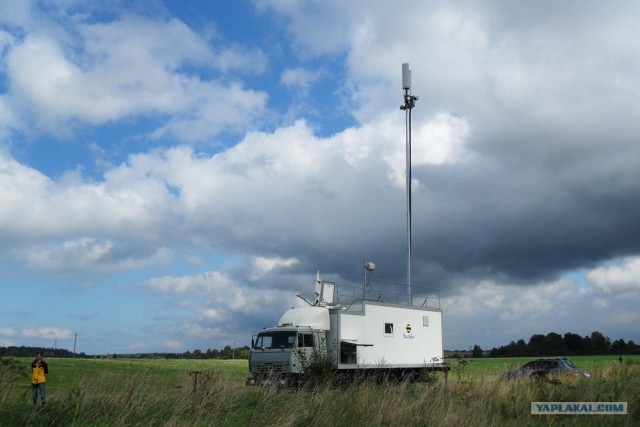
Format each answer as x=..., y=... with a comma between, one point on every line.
x=279, y=339
x=263, y=341
x=305, y=340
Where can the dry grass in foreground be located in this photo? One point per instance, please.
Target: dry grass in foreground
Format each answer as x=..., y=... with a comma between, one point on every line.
x=144, y=398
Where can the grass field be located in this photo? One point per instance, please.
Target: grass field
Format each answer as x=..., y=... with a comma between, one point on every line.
x=123, y=392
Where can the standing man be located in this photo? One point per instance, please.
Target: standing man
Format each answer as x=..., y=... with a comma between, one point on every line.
x=39, y=372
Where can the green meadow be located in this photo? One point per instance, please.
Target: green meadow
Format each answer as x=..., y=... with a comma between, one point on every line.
x=147, y=392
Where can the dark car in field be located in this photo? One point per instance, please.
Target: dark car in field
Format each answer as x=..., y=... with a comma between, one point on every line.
x=544, y=368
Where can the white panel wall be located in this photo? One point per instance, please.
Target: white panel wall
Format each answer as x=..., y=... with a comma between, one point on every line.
x=414, y=346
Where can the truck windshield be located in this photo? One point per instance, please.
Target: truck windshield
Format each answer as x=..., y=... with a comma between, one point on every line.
x=276, y=339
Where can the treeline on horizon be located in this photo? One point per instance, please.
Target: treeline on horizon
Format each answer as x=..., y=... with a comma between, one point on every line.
x=569, y=344
x=226, y=353
x=539, y=345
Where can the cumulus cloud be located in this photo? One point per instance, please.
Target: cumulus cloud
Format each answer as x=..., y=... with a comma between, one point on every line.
x=211, y=314
x=306, y=20
x=88, y=254
x=125, y=68
x=510, y=302
x=8, y=332
x=47, y=332
x=203, y=283
x=299, y=78
x=622, y=278
x=510, y=310
x=37, y=207
x=437, y=142
x=215, y=294
x=263, y=265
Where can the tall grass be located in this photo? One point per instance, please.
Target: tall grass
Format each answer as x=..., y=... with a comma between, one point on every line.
x=147, y=394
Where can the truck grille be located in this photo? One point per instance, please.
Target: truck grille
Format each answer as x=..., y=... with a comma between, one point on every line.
x=265, y=368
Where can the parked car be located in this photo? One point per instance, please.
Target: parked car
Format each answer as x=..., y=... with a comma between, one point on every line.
x=545, y=368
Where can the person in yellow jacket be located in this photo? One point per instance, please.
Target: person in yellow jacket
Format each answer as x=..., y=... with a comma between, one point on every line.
x=39, y=372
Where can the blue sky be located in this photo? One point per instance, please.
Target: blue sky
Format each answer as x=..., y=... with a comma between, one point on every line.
x=171, y=173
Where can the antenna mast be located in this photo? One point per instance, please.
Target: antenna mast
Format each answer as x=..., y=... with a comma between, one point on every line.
x=409, y=103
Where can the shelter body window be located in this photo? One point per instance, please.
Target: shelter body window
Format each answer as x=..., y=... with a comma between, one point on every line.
x=388, y=329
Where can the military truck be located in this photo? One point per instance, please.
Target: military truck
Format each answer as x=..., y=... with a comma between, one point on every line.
x=379, y=327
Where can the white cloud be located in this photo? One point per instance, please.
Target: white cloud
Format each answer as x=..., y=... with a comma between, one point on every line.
x=436, y=142
x=47, y=332
x=507, y=303
x=8, y=332
x=214, y=299
x=299, y=78
x=204, y=283
x=202, y=332
x=241, y=60
x=305, y=20
x=173, y=345
x=37, y=205
x=495, y=313
x=617, y=279
x=211, y=314
x=176, y=194
x=263, y=265
x=88, y=254
x=125, y=68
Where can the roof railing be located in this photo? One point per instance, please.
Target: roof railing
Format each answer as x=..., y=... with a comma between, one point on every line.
x=388, y=292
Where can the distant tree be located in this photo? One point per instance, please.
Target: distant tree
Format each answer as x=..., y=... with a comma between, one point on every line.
x=227, y=352
x=242, y=353
x=514, y=349
x=521, y=348
x=632, y=348
x=574, y=343
x=555, y=345
x=477, y=351
x=537, y=345
x=618, y=346
x=599, y=344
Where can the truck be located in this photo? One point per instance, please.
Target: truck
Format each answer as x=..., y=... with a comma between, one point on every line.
x=379, y=328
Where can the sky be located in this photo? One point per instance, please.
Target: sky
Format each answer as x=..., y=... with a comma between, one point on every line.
x=173, y=172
